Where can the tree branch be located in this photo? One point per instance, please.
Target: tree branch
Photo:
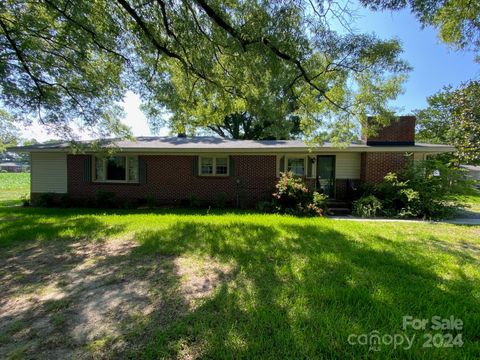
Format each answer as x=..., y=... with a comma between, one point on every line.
x=92, y=33
x=139, y=21
x=161, y=47
x=21, y=58
x=218, y=130
x=282, y=55
x=223, y=24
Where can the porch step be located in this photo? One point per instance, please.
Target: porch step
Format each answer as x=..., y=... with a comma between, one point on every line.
x=339, y=207
x=340, y=211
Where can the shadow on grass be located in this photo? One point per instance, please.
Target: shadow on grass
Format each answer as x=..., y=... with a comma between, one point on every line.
x=10, y=203
x=24, y=225
x=295, y=290
x=300, y=292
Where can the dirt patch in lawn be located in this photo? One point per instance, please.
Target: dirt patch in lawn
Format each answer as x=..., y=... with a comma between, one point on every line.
x=93, y=299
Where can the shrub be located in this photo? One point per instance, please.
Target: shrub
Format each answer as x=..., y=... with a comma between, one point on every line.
x=242, y=199
x=130, y=204
x=293, y=197
x=265, y=206
x=104, y=199
x=193, y=201
x=65, y=200
x=45, y=200
x=367, y=206
x=319, y=203
x=291, y=192
x=151, y=202
x=423, y=189
x=221, y=200
x=25, y=199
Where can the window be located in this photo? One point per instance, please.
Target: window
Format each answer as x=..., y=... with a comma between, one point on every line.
x=221, y=166
x=115, y=169
x=133, y=169
x=296, y=165
x=206, y=166
x=214, y=166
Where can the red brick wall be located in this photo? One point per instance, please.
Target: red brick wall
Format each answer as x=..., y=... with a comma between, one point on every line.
x=401, y=130
x=170, y=179
x=375, y=165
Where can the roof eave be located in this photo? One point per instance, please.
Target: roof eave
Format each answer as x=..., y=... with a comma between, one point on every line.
x=424, y=148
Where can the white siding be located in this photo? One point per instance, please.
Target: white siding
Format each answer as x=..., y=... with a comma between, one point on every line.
x=347, y=165
x=48, y=172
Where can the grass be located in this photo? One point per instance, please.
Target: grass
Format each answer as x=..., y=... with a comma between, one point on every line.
x=56, y=305
x=471, y=199
x=13, y=186
x=297, y=288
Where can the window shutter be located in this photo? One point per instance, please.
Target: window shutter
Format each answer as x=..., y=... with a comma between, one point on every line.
x=231, y=166
x=281, y=166
x=309, y=166
x=142, y=170
x=87, y=169
x=195, y=166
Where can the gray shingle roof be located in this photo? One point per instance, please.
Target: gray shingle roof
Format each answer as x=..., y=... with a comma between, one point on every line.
x=200, y=143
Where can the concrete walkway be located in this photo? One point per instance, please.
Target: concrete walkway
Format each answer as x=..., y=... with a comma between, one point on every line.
x=456, y=221
x=464, y=221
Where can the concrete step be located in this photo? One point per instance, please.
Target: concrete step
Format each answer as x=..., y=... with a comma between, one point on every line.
x=339, y=207
x=338, y=203
x=340, y=211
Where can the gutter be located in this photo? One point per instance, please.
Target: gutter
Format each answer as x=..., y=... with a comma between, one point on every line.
x=437, y=149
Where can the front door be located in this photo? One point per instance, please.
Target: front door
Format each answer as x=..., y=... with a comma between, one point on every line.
x=326, y=175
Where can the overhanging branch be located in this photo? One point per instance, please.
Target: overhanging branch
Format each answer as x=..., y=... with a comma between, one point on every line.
x=21, y=58
x=217, y=19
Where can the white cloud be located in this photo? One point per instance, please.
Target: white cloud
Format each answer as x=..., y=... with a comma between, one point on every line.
x=134, y=118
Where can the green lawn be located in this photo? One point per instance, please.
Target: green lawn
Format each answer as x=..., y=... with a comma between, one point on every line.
x=184, y=284
x=13, y=186
x=471, y=199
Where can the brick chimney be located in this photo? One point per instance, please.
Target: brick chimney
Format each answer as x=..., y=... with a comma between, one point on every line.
x=400, y=131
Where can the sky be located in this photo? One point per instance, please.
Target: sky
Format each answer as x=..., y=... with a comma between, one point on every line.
x=434, y=65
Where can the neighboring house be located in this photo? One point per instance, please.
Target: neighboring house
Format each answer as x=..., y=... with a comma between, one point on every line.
x=14, y=167
x=172, y=170
x=472, y=171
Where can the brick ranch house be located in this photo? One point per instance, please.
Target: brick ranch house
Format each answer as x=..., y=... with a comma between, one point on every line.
x=172, y=170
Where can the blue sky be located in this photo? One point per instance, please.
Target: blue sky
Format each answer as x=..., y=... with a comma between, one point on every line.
x=434, y=64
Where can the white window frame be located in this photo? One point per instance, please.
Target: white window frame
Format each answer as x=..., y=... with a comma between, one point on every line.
x=307, y=157
x=304, y=158
x=104, y=161
x=214, y=165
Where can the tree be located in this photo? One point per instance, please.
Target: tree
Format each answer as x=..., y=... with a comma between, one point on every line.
x=9, y=134
x=199, y=61
x=243, y=126
x=458, y=21
x=466, y=129
x=453, y=116
x=59, y=64
x=434, y=122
